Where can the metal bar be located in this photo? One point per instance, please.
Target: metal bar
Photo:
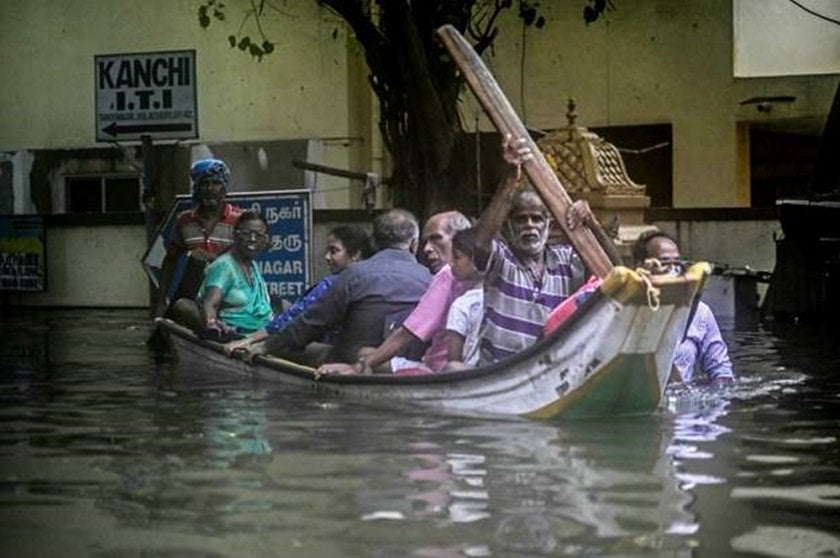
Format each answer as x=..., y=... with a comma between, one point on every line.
x=332, y=171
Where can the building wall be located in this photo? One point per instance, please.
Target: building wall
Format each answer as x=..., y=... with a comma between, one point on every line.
x=744, y=246
x=100, y=266
x=651, y=61
x=48, y=47
x=713, y=241
x=93, y=266
x=298, y=92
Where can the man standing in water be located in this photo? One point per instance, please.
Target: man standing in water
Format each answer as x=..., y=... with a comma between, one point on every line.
x=703, y=346
x=202, y=233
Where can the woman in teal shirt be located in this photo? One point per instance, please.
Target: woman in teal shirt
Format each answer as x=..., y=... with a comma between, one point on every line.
x=233, y=297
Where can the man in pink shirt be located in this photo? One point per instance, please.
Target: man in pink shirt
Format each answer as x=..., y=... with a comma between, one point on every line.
x=436, y=247
x=426, y=322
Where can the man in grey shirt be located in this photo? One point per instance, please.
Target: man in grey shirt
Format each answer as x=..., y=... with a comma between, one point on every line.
x=361, y=299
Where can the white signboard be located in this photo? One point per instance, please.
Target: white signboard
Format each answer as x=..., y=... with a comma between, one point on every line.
x=148, y=93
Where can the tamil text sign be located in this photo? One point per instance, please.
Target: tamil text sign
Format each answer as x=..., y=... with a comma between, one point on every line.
x=285, y=264
x=151, y=93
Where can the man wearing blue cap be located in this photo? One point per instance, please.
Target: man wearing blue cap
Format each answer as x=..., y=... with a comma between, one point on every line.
x=202, y=232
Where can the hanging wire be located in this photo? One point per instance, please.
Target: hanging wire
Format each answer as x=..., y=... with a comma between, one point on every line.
x=814, y=13
x=653, y=147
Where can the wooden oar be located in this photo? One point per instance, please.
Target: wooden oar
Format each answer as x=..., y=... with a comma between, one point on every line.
x=501, y=113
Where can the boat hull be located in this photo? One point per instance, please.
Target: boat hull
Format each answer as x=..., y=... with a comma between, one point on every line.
x=612, y=358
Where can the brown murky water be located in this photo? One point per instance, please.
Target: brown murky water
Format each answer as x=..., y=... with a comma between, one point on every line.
x=107, y=450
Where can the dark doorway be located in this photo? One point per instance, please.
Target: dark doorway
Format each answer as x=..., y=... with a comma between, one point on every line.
x=781, y=165
x=648, y=154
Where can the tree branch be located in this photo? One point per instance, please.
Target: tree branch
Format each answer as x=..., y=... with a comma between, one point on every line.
x=363, y=27
x=486, y=34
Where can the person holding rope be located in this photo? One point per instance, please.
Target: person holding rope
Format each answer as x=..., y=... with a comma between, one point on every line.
x=703, y=348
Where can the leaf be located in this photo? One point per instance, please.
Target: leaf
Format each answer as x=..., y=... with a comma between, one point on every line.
x=232, y=40
x=528, y=12
x=529, y=15
x=540, y=22
x=203, y=19
x=268, y=47
x=244, y=42
x=218, y=14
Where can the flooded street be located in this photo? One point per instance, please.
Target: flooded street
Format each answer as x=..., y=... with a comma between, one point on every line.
x=109, y=450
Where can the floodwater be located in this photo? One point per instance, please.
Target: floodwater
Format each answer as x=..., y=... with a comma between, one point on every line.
x=107, y=450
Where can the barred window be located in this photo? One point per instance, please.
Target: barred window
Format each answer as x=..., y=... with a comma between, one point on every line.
x=102, y=194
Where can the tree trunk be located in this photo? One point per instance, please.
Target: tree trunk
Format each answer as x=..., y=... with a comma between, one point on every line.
x=417, y=88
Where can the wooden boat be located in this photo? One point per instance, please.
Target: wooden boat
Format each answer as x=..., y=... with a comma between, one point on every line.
x=611, y=357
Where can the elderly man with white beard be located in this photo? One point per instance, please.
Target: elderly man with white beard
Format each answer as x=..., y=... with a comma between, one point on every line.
x=524, y=277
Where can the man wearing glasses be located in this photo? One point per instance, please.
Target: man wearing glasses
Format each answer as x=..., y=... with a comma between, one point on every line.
x=703, y=347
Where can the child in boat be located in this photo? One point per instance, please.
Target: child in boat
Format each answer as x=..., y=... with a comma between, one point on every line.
x=463, y=323
x=460, y=333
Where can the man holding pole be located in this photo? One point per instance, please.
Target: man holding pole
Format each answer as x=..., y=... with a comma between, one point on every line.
x=524, y=277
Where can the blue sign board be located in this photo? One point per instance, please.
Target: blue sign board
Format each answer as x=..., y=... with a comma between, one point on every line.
x=22, y=253
x=286, y=263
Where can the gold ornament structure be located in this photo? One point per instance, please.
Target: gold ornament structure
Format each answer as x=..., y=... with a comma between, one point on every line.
x=591, y=168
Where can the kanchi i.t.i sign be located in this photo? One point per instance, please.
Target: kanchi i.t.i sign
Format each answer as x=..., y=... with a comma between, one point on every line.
x=147, y=93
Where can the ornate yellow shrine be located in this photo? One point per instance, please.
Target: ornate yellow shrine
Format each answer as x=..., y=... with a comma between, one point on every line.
x=591, y=168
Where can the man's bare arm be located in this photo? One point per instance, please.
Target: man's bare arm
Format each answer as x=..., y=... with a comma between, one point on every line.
x=389, y=348
x=515, y=152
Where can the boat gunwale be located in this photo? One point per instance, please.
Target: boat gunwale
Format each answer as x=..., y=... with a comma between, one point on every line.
x=302, y=371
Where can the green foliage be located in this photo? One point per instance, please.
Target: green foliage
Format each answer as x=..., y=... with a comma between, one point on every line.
x=596, y=9
x=211, y=7
x=243, y=42
x=529, y=14
x=412, y=76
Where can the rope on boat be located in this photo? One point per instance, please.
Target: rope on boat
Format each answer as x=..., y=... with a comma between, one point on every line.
x=651, y=291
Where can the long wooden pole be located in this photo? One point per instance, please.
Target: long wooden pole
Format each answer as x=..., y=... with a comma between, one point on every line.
x=501, y=113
